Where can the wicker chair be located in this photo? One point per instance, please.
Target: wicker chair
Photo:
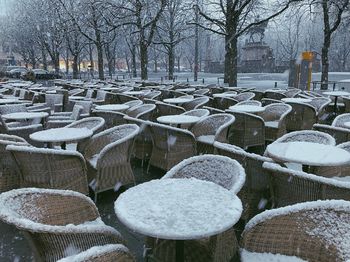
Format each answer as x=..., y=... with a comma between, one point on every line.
x=10, y=177
x=143, y=111
x=275, y=120
x=201, y=92
x=106, y=253
x=289, y=186
x=312, y=231
x=320, y=103
x=87, y=106
x=224, y=103
x=259, y=94
x=133, y=103
x=170, y=145
x=340, y=134
x=112, y=118
x=341, y=119
x=220, y=170
x=54, y=101
x=248, y=130
x=210, y=129
x=50, y=168
x=292, y=92
x=255, y=192
x=196, y=103
x=125, y=98
x=346, y=101
x=168, y=109
x=269, y=101
x=274, y=95
x=310, y=136
x=197, y=112
x=108, y=156
x=153, y=95
x=302, y=117
x=213, y=110
x=56, y=121
x=56, y=223
x=244, y=96
x=250, y=103
x=8, y=109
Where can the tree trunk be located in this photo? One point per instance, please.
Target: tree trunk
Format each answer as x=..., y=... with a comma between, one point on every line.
x=144, y=59
x=100, y=60
x=57, y=62
x=43, y=56
x=133, y=54
x=75, y=66
x=178, y=64
x=171, y=62
x=325, y=47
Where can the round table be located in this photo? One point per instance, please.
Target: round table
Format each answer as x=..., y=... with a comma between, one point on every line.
x=186, y=90
x=178, y=119
x=224, y=95
x=61, y=135
x=307, y=153
x=346, y=124
x=112, y=107
x=25, y=115
x=135, y=93
x=247, y=108
x=296, y=100
x=178, y=209
x=178, y=100
x=5, y=101
x=336, y=94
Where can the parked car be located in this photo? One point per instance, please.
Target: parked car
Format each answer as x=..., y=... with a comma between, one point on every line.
x=44, y=74
x=18, y=72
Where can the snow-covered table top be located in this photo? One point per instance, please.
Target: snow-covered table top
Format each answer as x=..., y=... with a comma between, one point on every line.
x=112, y=107
x=77, y=97
x=336, y=93
x=308, y=153
x=25, y=115
x=64, y=134
x=110, y=88
x=178, y=209
x=224, y=95
x=178, y=100
x=9, y=101
x=346, y=124
x=178, y=119
x=21, y=84
x=136, y=93
x=247, y=108
x=296, y=100
x=186, y=90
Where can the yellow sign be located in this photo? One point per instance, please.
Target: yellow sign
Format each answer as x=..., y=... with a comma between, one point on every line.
x=308, y=56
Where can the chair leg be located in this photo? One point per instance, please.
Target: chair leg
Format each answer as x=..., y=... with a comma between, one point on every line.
x=95, y=197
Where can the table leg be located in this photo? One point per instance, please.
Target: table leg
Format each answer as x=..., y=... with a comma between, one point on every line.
x=179, y=252
x=335, y=104
x=64, y=145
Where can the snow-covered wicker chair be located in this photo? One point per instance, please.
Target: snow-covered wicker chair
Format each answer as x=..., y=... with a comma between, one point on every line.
x=310, y=136
x=133, y=103
x=125, y=98
x=341, y=119
x=165, y=109
x=142, y=111
x=275, y=116
x=210, y=129
x=153, y=95
x=201, y=92
x=259, y=94
x=302, y=117
x=340, y=134
x=87, y=106
x=346, y=100
x=312, y=231
x=112, y=118
x=50, y=168
x=106, y=253
x=320, y=103
x=292, y=92
x=54, y=101
x=244, y=96
x=213, y=110
x=196, y=103
x=289, y=186
x=250, y=103
x=95, y=124
x=224, y=103
x=220, y=170
x=170, y=145
x=57, y=223
x=10, y=177
x=248, y=130
x=57, y=121
x=108, y=156
x=8, y=109
x=269, y=101
x=255, y=192
x=197, y=112
x=274, y=95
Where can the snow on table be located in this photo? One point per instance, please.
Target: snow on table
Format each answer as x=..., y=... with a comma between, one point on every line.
x=308, y=153
x=9, y=101
x=64, y=134
x=186, y=90
x=247, y=256
x=136, y=93
x=178, y=100
x=178, y=119
x=296, y=100
x=178, y=209
x=25, y=115
x=112, y=107
x=346, y=124
x=225, y=95
x=336, y=93
x=247, y=108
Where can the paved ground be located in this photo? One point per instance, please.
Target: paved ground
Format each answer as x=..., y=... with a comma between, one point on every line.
x=14, y=247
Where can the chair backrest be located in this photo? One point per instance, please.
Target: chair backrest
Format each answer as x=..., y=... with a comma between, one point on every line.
x=95, y=124
x=269, y=101
x=310, y=136
x=250, y=103
x=220, y=170
x=8, y=109
x=142, y=111
x=87, y=105
x=203, y=91
x=244, y=96
x=289, y=186
x=247, y=130
x=224, y=103
x=110, y=252
x=112, y=118
x=125, y=98
x=274, y=95
x=196, y=103
x=320, y=103
x=276, y=112
x=292, y=92
x=101, y=95
x=312, y=231
x=152, y=95
x=76, y=112
x=302, y=117
x=53, y=100
x=213, y=110
x=89, y=93
x=50, y=168
x=346, y=101
x=340, y=134
x=197, y=112
x=168, y=109
x=341, y=119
